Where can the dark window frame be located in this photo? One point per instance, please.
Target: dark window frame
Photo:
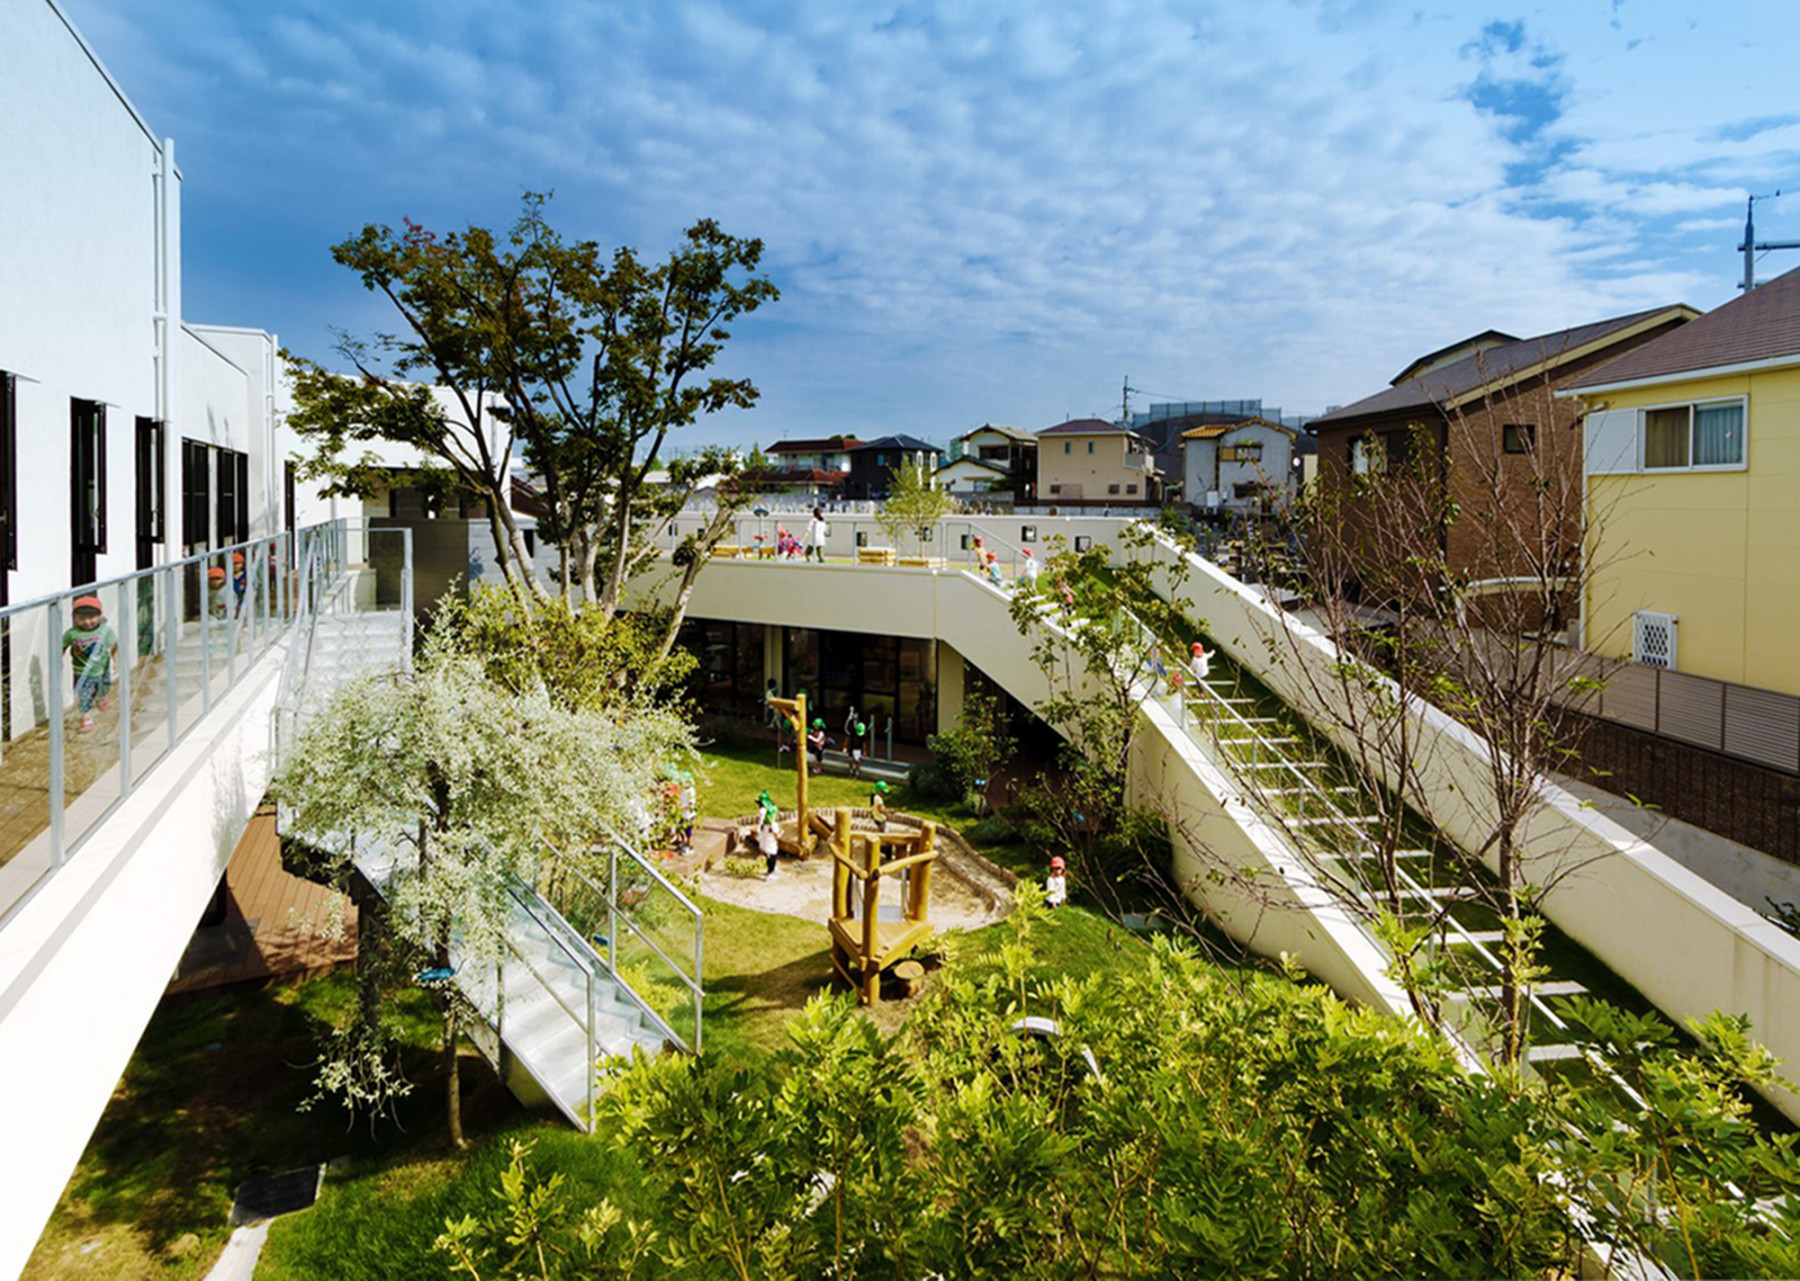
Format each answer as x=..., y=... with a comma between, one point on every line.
x=1518, y=438
x=152, y=488
x=9, y=472
x=196, y=495
x=87, y=476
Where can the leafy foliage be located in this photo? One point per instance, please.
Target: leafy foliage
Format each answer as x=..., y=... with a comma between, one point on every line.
x=968, y=754
x=1179, y=1122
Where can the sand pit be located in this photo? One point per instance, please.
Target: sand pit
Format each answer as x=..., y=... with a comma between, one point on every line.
x=967, y=892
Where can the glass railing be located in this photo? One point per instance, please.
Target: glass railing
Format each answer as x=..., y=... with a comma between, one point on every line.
x=99, y=684
x=647, y=931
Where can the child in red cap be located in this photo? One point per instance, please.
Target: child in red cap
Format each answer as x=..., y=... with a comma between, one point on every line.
x=1056, y=885
x=93, y=648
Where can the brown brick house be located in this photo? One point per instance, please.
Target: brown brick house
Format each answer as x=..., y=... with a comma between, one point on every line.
x=1481, y=416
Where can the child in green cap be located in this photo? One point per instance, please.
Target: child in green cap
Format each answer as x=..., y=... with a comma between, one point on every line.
x=878, y=806
x=856, y=743
x=815, y=745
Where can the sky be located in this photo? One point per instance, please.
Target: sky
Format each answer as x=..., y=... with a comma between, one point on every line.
x=999, y=211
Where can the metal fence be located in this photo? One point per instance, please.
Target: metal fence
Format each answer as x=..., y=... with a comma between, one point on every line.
x=1757, y=725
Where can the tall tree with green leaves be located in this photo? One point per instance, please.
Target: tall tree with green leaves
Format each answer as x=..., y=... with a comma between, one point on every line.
x=588, y=360
x=914, y=504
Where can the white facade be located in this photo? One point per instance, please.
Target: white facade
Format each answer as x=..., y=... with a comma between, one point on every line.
x=1244, y=467
x=91, y=313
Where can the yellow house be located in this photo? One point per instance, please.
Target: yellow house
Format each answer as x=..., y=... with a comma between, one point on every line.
x=1693, y=495
x=1091, y=462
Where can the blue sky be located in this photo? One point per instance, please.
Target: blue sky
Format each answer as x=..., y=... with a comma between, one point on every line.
x=996, y=211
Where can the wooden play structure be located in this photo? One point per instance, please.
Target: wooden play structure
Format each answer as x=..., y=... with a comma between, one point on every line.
x=862, y=943
x=794, y=709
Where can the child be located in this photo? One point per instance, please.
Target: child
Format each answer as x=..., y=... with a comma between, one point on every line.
x=1202, y=662
x=993, y=569
x=216, y=603
x=771, y=848
x=1028, y=569
x=878, y=806
x=1056, y=887
x=815, y=745
x=856, y=750
x=766, y=804
x=690, y=809
x=92, y=648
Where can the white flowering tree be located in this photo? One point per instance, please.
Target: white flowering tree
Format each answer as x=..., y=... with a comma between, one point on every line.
x=461, y=783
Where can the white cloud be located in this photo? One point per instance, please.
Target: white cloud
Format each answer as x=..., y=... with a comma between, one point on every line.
x=996, y=211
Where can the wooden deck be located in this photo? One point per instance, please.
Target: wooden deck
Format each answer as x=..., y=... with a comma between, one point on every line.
x=276, y=926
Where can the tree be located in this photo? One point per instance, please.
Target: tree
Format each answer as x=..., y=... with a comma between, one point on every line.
x=465, y=786
x=1443, y=569
x=1180, y=1121
x=914, y=504
x=587, y=362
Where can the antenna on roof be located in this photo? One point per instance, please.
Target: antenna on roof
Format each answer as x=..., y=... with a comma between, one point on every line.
x=1751, y=247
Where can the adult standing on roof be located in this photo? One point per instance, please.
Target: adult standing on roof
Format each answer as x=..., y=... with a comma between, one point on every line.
x=816, y=532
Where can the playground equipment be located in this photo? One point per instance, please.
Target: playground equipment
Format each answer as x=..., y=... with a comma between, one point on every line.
x=863, y=944
x=794, y=711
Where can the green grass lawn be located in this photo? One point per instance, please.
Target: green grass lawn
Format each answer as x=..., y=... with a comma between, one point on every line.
x=209, y=1100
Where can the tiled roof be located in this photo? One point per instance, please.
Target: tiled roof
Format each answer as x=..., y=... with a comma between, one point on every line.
x=1011, y=433
x=1210, y=431
x=1493, y=367
x=909, y=444
x=1086, y=427
x=1763, y=324
x=1487, y=338
x=827, y=445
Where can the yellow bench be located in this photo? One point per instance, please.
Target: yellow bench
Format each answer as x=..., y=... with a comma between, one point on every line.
x=727, y=551
x=874, y=555
x=917, y=562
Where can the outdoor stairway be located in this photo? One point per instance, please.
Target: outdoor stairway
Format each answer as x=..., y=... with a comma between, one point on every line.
x=1312, y=803
x=554, y=1006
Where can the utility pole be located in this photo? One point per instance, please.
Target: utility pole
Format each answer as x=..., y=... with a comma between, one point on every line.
x=1751, y=247
x=1125, y=402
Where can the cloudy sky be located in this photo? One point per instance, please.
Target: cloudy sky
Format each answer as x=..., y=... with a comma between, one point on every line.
x=997, y=211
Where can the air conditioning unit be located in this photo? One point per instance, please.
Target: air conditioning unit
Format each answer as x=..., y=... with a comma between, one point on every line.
x=1653, y=639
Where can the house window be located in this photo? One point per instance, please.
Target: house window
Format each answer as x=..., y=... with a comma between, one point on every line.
x=1068, y=446
x=1056, y=489
x=1113, y=488
x=1246, y=453
x=1131, y=489
x=1682, y=437
x=1090, y=446
x=1367, y=457
x=1518, y=438
x=87, y=487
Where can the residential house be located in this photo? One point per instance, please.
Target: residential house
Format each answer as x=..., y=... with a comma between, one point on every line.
x=1692, y=463
x=811, y=468
x=992, y=460
x=1482, y=409
x=1244, y=466
x=874, y=463
x=1093, y=463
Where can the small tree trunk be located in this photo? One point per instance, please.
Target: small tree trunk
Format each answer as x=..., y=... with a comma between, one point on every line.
x=452, y=1078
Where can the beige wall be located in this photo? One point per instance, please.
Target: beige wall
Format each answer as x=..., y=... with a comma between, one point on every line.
x=1721, y=550
x=1108, y=464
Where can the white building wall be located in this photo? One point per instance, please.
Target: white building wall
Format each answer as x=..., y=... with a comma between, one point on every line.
x=90, y=250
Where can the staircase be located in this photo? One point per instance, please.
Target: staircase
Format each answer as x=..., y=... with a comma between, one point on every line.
x=554, y=1005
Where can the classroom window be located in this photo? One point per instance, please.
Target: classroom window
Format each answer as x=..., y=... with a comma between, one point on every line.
x=87, y=474
x=9, y=473
x=196, y=495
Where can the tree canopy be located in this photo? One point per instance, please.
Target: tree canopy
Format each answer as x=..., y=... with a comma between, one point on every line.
x=584, y=361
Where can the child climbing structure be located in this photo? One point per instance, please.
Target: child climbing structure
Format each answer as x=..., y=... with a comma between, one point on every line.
x=863, y=944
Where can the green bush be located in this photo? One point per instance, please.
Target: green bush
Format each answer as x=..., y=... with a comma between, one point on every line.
x=992, y=830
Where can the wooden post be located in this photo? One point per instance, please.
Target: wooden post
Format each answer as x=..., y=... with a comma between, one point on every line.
x=918, y=906
x=871, y=923
x=800, y=752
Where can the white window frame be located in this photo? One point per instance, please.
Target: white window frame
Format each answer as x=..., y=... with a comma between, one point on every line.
x=1643, y=435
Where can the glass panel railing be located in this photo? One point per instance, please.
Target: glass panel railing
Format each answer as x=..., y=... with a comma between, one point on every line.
x=99, y=683
x=656, y=944
x=93, y=714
